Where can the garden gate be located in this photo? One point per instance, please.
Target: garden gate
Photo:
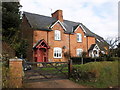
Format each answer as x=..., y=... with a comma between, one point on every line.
x=48, y=70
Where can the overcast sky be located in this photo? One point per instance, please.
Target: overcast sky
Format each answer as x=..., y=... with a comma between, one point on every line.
x=100, y=16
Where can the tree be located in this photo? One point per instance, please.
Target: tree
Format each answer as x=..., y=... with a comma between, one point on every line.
x=10, y=19
x=11, y=27
x=113, y=43
x=118, y=50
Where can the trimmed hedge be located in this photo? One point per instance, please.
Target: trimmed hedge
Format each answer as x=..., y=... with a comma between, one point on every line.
x=78, y=60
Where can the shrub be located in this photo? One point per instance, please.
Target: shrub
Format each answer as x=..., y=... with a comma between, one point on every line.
x=114, y=59
x=67, y=55
x=5, y=70
x=78, y=75
x=5, y=76
x=78, y=60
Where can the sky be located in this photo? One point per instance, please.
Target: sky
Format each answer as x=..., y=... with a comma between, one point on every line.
x=100, y=16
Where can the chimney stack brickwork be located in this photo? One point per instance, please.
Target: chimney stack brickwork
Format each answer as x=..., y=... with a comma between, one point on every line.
x=58, y=15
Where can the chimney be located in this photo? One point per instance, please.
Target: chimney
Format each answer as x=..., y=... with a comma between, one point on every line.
x=58, y=15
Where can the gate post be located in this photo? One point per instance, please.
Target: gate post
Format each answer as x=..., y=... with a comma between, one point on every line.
x=15, y=73
x=69, y=68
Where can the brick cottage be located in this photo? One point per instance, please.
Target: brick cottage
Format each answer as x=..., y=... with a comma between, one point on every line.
x=52, y=39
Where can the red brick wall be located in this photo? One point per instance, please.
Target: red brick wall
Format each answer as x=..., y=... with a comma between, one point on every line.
x=75, y=45
x=63, y=42
x=15, y=73
x=38, y=35
x=91, y=40
x=27, y=34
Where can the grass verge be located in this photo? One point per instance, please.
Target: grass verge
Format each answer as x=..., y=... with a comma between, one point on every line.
x=97, y=74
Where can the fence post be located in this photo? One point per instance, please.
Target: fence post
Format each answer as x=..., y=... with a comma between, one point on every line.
x=69, y=68
x=15, y=73
x=82, y=60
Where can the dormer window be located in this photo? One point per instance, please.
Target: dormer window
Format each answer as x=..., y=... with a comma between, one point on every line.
x=79, y=37
x=57, y=35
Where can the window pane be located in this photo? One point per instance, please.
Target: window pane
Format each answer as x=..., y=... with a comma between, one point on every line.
x=79, y=37
x=79, y=52
x=59, y=55
x=57, y=52
x=57, y=35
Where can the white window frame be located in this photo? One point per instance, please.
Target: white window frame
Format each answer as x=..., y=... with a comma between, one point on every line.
x=57, y=35
x=57, y=52
x=79, y=37
x=79, y=52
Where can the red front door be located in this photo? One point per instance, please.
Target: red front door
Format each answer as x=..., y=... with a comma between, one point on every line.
x=41, y=55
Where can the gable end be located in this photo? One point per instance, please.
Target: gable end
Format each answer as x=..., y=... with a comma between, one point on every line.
x=59, y=23
x=25, y=18
x=78, y=27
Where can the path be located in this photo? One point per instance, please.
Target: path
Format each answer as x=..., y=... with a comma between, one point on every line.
x=57, y=83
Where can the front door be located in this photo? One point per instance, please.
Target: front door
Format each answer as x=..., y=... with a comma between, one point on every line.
x=41, y=55
x=41, y=51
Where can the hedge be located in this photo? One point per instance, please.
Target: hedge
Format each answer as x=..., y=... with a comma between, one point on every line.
x=78, y=60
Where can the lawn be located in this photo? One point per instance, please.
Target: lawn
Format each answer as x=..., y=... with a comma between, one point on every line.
x=96, y=74
x=53, y=70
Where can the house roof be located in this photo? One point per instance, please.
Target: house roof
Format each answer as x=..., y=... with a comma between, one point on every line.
x=41, y=22
x=92, y=47
x=44, y=22
x=100, y=45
